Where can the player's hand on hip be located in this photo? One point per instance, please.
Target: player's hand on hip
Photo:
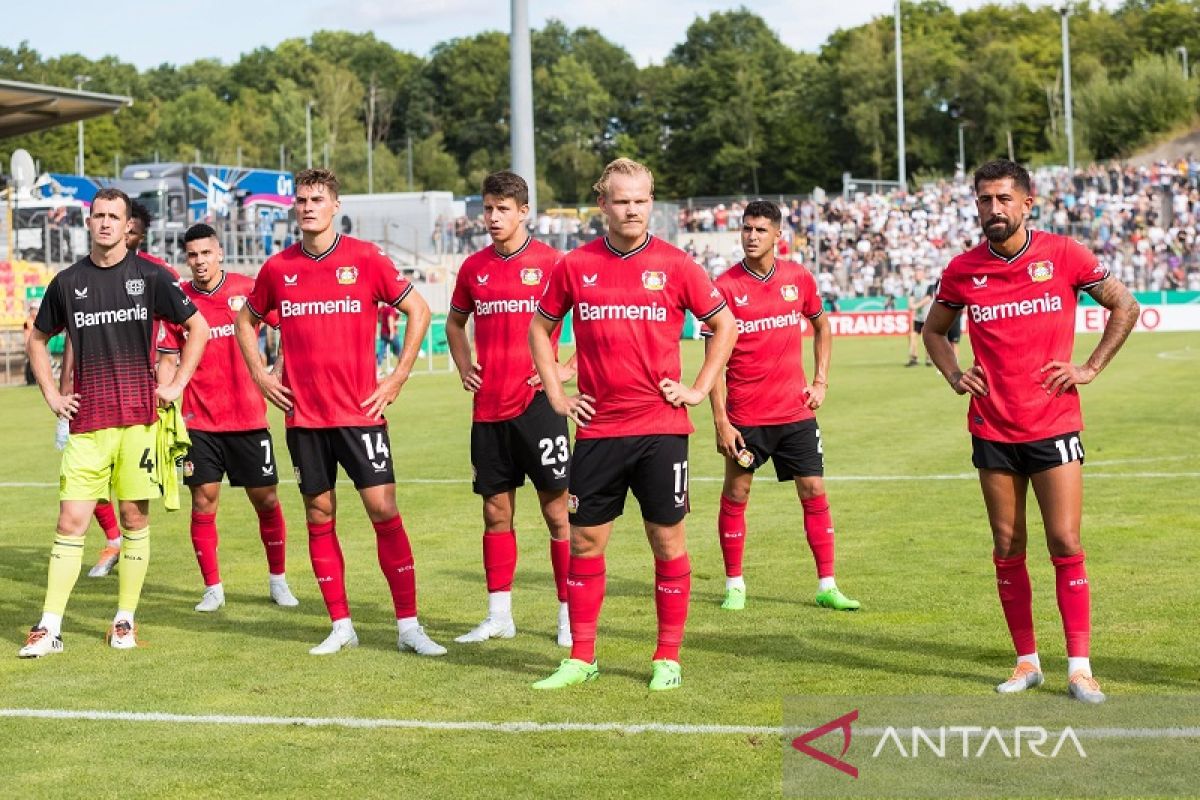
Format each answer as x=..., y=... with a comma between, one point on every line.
x=384, y=395
x=65, y=406
x=972, y=382
x=678, y=395
x=472, y=379
x=729, y=440
x=1059, y=376
x=579, y=408
x=814, y=395
x=273, y=389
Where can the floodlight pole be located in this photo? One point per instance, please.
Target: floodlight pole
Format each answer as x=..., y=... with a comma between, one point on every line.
x=520, y=77
x=80, y=80
x=1183, y=52
x=900, y=155
x=308, y=107
x=1067, y=111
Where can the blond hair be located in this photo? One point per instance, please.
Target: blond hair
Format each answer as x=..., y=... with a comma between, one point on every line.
x=622, y=166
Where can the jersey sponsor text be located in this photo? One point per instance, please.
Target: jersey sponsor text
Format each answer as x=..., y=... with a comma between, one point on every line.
x=590, y=312
x=291, y=308
x=84, y=319
x=1045, y=304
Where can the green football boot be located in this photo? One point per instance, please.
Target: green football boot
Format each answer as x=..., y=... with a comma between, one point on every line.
x=735, y=599
x=833, y=598
x=571, y=672
x=667, y=675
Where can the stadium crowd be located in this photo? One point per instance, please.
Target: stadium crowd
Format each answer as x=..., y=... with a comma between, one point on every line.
x=1142, y=222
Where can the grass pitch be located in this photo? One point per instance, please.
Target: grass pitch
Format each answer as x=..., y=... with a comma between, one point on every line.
x=913, y=545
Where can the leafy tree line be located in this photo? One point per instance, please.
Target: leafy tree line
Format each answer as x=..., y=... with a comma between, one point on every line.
x=730, y=110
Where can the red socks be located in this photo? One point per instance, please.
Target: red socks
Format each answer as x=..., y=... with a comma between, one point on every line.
x=818, y=527
x=1016, y=598
x=107, y=519
x=396, y=561
x=204, y=540
x=500, y=560
x=1074, y=603
x=329, y=568
x=273, y=531
x=672, y=590
x=731, y=528
x=560, y=560
x=585, y=587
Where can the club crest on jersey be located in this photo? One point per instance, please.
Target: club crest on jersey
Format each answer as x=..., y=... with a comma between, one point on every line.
x=1041, y=271
x=531, y=276
x=236, y=302
x=135, y=287
x=347, y=275
x=789, y=293
x=654, y=281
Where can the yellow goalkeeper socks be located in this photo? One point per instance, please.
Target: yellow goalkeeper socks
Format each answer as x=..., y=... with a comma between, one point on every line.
x=135, y=560
x=66, y=559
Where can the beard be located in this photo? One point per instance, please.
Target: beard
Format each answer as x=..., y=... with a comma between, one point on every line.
x=996, y=232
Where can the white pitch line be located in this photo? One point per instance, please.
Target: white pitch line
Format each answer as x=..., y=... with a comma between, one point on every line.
x=409, y=724
x=678, y=729
x=960, y=476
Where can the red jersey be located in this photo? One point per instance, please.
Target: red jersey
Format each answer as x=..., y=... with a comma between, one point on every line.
x=765, y=374
x=221, y=396
x=502, y=292
x=629, y=313
x=326, y=306
x=1021, y=312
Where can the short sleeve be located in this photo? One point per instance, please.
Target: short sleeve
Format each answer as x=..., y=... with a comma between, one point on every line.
x=556, y=298
x=699, y=295
x=1083, y=268
x=460, y=300
x=261, y=300
x=52, y=316
x=949, y=293
x=811, y=303
x=170, y=303
x=388, y=282
x=169, y=338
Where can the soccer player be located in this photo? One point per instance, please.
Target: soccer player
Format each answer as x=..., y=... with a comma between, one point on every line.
x=1019, y=289
x=629, y=291
x=227, y=420
x=920, y=297
x=514, y=431
x=139, y=222
x=108, y=302
x=763, y=406
x=325, y=289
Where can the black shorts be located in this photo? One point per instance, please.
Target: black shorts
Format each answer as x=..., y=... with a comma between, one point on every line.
x=918, y=325
x=536, y=444
x=955, y=331
x=655, y=468
x=794, y=447
x=1027, y=458
x=247, y=457
x=364, y=452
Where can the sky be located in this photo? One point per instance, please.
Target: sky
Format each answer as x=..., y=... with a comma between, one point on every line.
x=147, y=34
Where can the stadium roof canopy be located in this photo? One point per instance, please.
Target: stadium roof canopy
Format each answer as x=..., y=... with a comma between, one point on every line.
x=29, y=107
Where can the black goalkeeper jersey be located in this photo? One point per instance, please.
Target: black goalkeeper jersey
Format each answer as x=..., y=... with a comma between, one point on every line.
x=109, y=313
